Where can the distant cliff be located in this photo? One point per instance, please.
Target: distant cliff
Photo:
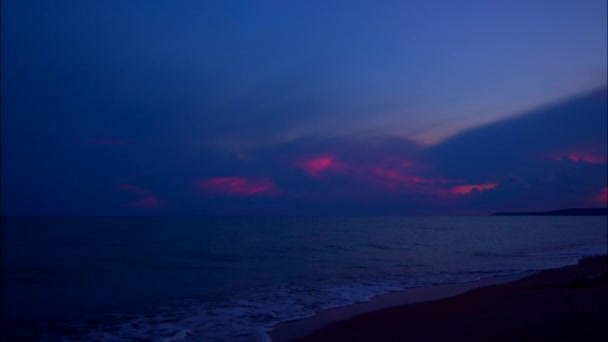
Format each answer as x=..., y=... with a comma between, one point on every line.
x=561, y=212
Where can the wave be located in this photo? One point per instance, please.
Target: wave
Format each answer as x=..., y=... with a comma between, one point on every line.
x=245, y=317
x=571, y=252
x=251, y=315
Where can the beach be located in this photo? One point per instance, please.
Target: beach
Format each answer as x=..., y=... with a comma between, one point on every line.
x=563, y=304
x=109, y=279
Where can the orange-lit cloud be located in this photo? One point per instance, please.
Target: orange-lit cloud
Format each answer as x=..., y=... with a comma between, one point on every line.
x=467, y=189
x=317, y=165
x=238, y=186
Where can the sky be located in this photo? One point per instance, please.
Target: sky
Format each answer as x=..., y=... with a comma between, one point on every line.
x=154, y=107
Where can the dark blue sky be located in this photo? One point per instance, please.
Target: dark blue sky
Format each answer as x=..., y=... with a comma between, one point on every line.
x=302, y=107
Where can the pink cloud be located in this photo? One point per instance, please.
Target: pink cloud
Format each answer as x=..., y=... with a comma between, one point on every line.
x=148, y=199
x=588, y=155
x=412, y=177
x=147, y=202
x=398, y=176
x=601, y=198
x=467, y=189
x=239, y=186
x=391, y=175
x=315, y=166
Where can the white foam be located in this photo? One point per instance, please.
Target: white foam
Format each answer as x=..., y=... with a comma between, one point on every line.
x=247, y=317
x=250, y=316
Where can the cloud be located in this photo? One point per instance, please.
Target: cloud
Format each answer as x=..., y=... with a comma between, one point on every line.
x=552, y=157
x=467, y=189
x=550, y=185
x=315, y=166
x=350, y=166
x=506, y=165
x=600, y=199
x=148, y=199
x=147, y=202
x=589, y=155
x=238, y=186
x=483, y=153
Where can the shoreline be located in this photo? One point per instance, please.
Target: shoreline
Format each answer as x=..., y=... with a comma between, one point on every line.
x=445, y=311
x=290, y=330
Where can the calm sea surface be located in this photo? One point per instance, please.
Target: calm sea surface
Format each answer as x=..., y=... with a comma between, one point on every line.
x=232, y=279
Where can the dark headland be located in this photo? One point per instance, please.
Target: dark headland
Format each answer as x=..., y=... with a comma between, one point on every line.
x=560, y=212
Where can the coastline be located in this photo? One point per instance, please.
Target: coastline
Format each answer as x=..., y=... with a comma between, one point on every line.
x=539, y=305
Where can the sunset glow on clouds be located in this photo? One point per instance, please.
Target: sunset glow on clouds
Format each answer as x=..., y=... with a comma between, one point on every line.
x=467, y=189
x=352, y=175
x=315, y=166
x=594, y=159
x=148, y=200
x=393, y=173
x=586, y=155
x=410, y=181
x=359, y=112
x=397, y=181
x=397, y=177
x=239, y=186
x=405, y=175
x=389, y=176
x=601, y=198
x=460, y=173
x=347, y=172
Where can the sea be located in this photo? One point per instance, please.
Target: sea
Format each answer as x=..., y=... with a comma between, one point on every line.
x=234, y=278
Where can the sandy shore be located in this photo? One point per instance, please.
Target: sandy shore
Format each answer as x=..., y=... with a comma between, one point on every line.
x=548, y=306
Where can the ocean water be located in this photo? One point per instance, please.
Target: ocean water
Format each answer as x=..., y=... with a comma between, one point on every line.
x=233, y=279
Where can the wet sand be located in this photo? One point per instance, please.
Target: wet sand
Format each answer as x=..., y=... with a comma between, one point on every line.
x=553, y=305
